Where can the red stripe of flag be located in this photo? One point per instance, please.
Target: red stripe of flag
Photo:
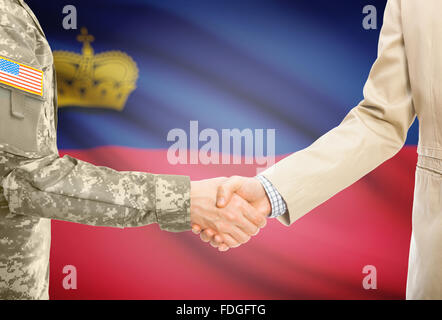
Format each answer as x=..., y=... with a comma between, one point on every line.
x=30, y=78
x=30, y=74
x=24, y=84
x=29, y=69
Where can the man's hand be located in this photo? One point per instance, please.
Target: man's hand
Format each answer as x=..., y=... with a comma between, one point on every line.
x=249, y=189
x=235, y=223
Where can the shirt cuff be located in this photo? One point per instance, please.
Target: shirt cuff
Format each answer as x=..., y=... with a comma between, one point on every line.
x=277, y=203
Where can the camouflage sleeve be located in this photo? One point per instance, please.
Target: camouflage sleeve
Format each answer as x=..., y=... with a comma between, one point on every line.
x=73, y=190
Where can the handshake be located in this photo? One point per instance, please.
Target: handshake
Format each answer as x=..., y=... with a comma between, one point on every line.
x=227, y=211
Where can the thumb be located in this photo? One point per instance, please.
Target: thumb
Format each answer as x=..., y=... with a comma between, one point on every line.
x=226, y=190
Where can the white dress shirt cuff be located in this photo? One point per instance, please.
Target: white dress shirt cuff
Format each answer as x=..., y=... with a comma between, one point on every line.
x=277, y=203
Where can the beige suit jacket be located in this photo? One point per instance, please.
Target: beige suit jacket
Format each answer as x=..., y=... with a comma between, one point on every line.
x=405, y=81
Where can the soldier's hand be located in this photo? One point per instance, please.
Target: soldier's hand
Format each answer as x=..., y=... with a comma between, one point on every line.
x=234, y=224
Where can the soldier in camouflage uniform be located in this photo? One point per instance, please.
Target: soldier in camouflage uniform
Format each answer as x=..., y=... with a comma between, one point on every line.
x=36, y=185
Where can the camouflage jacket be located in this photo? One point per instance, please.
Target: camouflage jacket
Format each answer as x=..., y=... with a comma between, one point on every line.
x=36, y=185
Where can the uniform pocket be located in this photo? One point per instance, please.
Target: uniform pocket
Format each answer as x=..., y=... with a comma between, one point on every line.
x=19, y=117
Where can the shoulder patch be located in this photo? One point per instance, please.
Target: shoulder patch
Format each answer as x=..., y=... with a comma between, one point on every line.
x=21, y=76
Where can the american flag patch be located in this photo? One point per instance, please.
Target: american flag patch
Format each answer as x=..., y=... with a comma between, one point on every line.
x=21, y=76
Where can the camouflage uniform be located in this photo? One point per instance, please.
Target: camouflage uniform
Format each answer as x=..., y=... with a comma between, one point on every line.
x=36, y=185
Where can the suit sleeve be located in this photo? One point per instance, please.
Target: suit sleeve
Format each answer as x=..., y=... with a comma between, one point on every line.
x=371, y=133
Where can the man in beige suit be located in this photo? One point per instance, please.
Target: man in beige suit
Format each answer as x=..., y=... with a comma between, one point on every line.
x=405, y=81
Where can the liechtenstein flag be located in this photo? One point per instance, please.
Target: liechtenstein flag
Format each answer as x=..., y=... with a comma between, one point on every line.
x=143, y=84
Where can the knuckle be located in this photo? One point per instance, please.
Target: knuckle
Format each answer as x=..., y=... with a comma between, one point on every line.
x=258, y=221
x=264, y=222
x=208, y=233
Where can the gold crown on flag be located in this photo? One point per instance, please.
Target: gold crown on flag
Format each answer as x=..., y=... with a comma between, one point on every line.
x=94, y=80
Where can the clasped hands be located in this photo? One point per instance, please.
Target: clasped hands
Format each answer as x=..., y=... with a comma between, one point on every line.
x=227, y=212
